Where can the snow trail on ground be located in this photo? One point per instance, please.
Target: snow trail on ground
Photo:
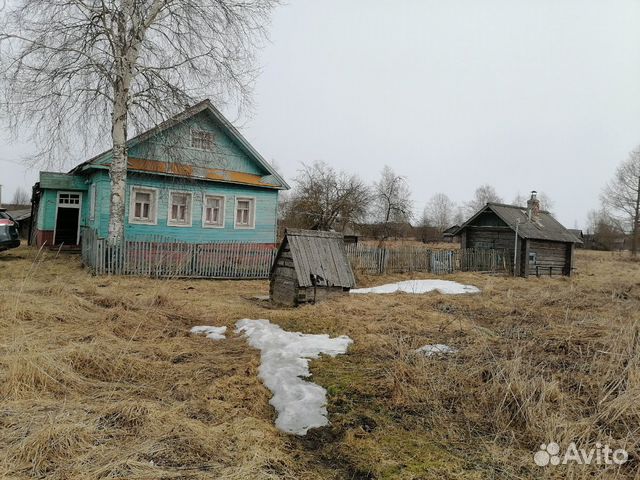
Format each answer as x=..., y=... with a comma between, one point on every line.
x=285, y=357
x=420, y=286
x=214, y=333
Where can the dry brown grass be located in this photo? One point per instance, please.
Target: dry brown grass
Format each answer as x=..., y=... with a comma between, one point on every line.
x=99, y=377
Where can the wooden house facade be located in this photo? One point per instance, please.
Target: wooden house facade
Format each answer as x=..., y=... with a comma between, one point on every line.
x=310, y=266
x=194, y=179
x=539, y=244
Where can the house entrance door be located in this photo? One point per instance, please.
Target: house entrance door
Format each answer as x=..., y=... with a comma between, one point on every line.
x=67, y=230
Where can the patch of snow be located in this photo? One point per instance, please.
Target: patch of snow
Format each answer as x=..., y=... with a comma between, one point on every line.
x=284, y=363
x=421, y=286
x=436, y=349
x=214, y=333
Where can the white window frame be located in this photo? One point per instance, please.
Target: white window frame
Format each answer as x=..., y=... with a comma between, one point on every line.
x=92, y=201
x=201, y=130
x=173, y=223
x=68, y=205
x=153, y=207
x=223, y=203
x=252, y=213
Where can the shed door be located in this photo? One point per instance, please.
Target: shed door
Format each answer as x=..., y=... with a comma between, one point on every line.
x=67, y=230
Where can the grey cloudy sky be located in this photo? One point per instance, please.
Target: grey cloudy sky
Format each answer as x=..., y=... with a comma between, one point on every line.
x=520, y=94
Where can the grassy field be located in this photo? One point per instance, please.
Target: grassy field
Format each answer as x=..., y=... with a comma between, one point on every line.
x=99, y=377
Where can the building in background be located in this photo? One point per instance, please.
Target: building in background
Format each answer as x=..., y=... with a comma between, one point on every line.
x=193, y=178
x=539, y=243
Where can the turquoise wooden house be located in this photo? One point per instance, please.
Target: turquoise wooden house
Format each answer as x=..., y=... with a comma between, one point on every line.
x=193, y=179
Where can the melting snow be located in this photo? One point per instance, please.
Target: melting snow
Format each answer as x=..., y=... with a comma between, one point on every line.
x=285, y=356
x=421, y=286
x=436, y=349
x=214, y=333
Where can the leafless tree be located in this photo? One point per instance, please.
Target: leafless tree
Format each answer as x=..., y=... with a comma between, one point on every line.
x=21, y=197
x=323, y=199
x=622, y=196
x=604, y=231
x=392, y=202
x=440, y=210
x=74, y=69
x=483, y=195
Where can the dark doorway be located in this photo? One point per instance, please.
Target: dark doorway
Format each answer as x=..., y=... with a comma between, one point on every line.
x=67, y=226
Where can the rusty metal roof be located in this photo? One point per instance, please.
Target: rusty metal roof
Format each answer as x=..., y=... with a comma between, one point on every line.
x=319, y=256
x=544, y=227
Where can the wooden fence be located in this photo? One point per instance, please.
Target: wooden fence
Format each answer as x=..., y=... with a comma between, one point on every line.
x=379, y=260
x=159, y=256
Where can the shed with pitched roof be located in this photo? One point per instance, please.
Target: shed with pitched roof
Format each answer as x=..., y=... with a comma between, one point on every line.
x=310, y=265
x=539, y=243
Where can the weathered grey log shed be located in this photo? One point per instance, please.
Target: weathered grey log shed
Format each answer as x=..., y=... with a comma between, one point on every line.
x=544, y=246
x=310, y=265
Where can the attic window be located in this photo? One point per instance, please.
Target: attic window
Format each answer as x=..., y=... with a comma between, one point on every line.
x=201, y=139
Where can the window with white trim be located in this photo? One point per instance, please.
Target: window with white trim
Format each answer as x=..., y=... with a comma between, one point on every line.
x=144, y=205
x=201, y=139
x=213, y=215
x=69, y=199
x=245, y=213
x=180, y=209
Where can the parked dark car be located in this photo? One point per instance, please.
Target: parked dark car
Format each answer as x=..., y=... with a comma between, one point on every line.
x=9, y=237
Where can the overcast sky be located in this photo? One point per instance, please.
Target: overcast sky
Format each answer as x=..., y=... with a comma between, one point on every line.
x=520, y=94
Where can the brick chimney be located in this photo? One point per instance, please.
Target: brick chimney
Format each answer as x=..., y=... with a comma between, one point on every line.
x=533, y=206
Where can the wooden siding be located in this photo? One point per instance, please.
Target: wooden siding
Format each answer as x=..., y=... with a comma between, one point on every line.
x=266, y=202
x=550, y=257
x=174, y=146
x=283, y=285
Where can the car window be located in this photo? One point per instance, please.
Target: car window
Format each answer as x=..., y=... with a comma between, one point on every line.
x=4, y=215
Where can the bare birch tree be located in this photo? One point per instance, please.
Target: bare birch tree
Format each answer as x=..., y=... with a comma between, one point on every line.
x=392, y=202
x=622, y=196
x=76, y=69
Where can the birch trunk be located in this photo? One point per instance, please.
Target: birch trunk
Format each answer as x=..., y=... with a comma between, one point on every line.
x=118, y=170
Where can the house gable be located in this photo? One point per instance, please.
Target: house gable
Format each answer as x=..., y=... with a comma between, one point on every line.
x=167, y=150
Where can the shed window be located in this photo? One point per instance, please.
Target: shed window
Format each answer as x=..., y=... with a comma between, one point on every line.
x=143, y=206
x=202, y=139
x=213, y=211
x=245, y=212
x=179, y=209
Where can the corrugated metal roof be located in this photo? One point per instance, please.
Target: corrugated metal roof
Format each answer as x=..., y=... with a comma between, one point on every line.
x=20, y=215
x=320, y=254
x=544, y=227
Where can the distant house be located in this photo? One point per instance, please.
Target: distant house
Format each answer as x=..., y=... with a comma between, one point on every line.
x=579, y=235
x=193, y=178
x=310, y=265
x=544, y=246
x=450, y=235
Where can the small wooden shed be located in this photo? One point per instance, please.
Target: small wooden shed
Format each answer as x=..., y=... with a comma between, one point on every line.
x=310, y=265
x=537, y=242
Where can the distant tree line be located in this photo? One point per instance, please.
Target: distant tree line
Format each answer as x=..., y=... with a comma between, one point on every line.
x=323, y=198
